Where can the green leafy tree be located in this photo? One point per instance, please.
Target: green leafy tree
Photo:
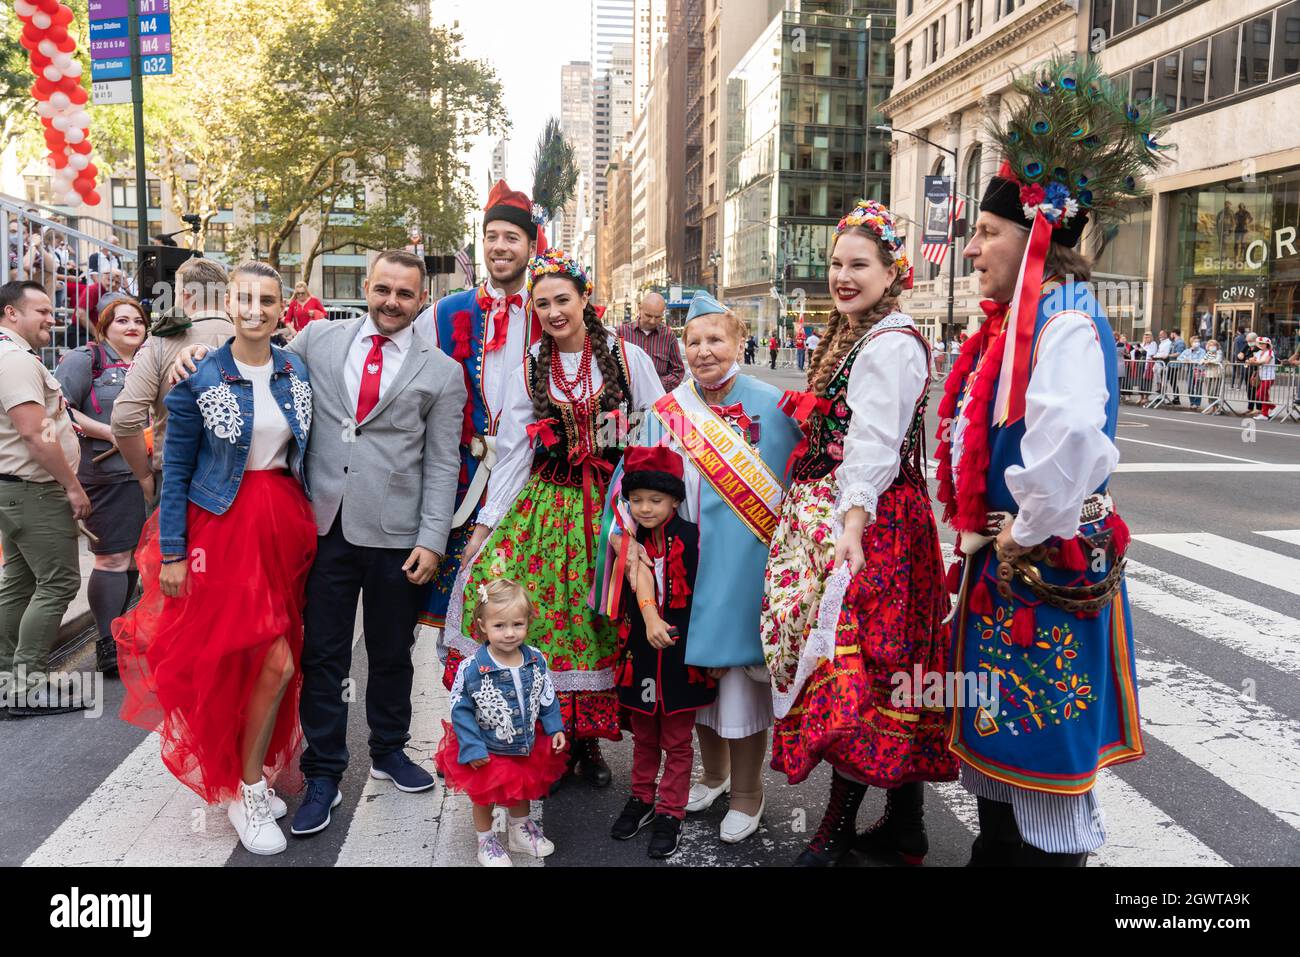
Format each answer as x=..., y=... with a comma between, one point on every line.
x=359, y=128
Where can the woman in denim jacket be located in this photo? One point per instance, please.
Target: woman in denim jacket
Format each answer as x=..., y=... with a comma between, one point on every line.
x=212, y=650
x=505, y=744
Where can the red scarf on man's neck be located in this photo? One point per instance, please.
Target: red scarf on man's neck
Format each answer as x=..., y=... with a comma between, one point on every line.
x=964, y=507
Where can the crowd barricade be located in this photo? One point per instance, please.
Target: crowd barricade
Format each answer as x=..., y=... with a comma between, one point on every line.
x=1227, y=388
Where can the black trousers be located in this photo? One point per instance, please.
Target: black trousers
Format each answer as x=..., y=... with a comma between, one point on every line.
x=390, y=610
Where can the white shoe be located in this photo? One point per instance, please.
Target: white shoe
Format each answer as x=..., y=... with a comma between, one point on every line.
x=528, y=839
x=1261, y=417
x=492, y=854
x=278, y=808
x=253, y=820
x=702, y=796
x=737, y=826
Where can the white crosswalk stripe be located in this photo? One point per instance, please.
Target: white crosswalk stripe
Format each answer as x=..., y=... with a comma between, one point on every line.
x=139, y=814
x=1248, y=561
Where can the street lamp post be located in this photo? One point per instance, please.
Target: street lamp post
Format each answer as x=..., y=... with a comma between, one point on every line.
x=952, y=219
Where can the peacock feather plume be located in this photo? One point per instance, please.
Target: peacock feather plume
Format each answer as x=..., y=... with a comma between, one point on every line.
x=555, y=171
x=1074, y=127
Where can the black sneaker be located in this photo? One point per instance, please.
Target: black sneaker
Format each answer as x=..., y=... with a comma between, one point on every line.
x=665, y=836
x=636, y=815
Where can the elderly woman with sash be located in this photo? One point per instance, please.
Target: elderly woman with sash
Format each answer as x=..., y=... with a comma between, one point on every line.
x=735, y=442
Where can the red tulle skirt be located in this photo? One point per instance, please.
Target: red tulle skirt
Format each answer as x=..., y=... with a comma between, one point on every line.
x=506, y=778
x=189, y=665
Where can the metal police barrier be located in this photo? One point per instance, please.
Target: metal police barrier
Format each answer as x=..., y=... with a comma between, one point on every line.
x=1213, y=388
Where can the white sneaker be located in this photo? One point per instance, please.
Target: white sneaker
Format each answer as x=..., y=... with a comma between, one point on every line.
x=253, y=820
x=702, y=796
x=737, y=826
x=492, y=854
x=278, y=808
x=528, y=839
x=1261, y=417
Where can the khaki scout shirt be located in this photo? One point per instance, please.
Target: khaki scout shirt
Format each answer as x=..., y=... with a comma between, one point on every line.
x=24, y=378
x=147, y=380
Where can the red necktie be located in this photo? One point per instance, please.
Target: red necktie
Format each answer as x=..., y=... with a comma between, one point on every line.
x=501, y=322
x=371, y=372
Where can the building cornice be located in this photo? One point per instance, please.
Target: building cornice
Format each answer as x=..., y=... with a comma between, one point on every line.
x=981, y=50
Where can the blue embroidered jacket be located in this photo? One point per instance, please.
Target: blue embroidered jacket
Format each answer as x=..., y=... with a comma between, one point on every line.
x=209, y=433
x=487, y=714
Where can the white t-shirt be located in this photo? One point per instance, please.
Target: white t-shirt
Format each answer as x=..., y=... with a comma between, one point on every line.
x=813, y=342
x=271, y=433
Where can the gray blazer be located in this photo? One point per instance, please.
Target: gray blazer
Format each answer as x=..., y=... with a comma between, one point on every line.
x=394, y=474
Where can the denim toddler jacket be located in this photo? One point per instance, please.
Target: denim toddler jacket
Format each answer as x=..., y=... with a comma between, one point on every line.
x=487, y=715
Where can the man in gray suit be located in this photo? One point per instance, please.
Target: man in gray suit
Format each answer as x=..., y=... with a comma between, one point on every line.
x=382, y=463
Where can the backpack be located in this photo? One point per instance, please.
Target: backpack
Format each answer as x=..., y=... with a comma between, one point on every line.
x=98, y=368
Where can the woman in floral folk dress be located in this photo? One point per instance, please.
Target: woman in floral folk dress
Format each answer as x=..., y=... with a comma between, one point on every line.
x=559, y=443
x=834, y=640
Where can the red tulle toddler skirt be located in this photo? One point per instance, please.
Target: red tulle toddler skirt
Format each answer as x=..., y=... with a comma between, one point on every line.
x=506, y=778
x=189, y=665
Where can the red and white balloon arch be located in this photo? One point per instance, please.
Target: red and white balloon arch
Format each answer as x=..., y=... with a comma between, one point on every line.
x=60, y=98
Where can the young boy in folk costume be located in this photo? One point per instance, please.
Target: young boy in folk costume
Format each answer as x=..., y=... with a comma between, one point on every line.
x=658, y=689
x=488, y=329
x=858, y=506
x=541, y=520
x=1030, y=410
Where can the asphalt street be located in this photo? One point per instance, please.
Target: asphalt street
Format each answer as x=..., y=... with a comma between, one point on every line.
x=1215, y=588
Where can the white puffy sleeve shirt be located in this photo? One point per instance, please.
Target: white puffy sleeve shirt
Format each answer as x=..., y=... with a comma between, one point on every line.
x=1066, y=451
x=885, y=384
x=515, y=455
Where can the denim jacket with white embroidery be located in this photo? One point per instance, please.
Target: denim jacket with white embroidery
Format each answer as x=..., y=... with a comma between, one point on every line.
x=210, y=431
x=490, y=718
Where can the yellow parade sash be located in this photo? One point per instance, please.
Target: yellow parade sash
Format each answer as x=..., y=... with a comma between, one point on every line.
x=730, y=464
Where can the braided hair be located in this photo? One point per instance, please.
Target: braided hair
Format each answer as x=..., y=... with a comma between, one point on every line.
x=842, y=332
x=540, y=385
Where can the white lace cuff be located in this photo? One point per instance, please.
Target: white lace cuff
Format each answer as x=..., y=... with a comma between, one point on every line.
x=858, y=493
x=490, y=515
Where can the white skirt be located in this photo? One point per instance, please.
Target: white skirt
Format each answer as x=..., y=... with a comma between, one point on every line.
x=743, y=706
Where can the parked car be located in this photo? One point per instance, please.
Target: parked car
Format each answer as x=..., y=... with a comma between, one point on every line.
x=345, y=309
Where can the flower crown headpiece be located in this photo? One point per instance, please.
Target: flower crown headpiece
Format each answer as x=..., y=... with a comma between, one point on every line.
x=557, y=261
x=876, y=217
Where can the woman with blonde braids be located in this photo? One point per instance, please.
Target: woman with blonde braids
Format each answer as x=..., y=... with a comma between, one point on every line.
x=560, y=439
x=854, y=590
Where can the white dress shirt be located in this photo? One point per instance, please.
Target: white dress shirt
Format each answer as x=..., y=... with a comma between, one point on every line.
x=497, y=365
x=395, y=350
x=516, y=455
x=1066, y=451
x=884, y=385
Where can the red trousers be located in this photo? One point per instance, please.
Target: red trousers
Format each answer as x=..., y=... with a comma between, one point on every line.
x=1265, y=387
x=666, y=737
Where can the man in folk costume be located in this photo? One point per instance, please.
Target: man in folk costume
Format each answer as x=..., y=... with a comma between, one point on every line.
x=1027, y=427
x=488, y=329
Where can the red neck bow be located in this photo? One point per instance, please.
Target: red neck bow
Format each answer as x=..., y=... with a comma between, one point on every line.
x=501, y=320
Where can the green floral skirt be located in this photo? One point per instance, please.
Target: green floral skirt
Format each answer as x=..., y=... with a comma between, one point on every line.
x=540, y=544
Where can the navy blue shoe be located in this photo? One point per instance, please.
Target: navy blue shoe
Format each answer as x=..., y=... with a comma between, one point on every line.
x=314, y=813
x=402, y=771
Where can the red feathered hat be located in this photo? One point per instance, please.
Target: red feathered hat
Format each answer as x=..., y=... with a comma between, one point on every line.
x=511, y=206
x=658, y=468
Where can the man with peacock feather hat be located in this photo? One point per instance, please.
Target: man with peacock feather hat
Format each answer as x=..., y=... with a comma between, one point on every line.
x=1027, y=429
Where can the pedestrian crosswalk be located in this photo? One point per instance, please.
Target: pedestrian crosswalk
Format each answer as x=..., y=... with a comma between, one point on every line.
x=1219, y=677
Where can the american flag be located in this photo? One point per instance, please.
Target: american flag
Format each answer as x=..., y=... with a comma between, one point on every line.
x=936, y=252
x=465, y=260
